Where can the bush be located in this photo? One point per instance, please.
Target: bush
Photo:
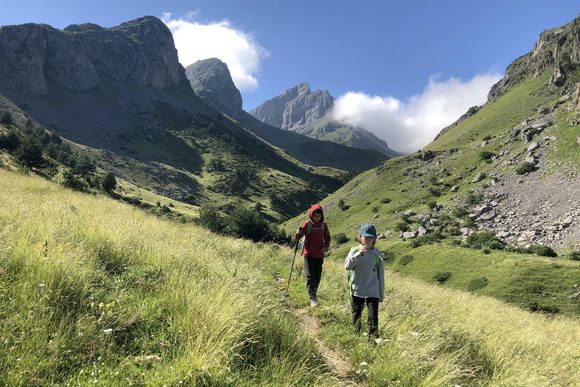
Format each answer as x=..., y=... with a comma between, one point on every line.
x=432, y=204
x=441, y=276
x=486, y=138
x=525, y=168
x=426, y=239
x=247, y=223
x=473, y=199
x=542, y=250
x=486, y=155
x=9, y=141
x=434, y=191
x=574, y=255
x=402, y=226
x=375, y=209
x=477, y=283
x=483, y=240
x=342, y=205
x=210, y=218
x=405, y=260
x=385, y=200
x=459, y=212
x=389, y=256
x=533, y=306
x=29, y=153
x=109, y=183
x=6, y=118
x=72, y=181
x=340, y=238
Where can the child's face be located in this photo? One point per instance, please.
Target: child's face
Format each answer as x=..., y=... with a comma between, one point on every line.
x=316, y=216
x=367, y=241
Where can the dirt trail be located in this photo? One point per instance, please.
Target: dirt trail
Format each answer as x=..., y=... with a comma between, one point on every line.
x=336, y=362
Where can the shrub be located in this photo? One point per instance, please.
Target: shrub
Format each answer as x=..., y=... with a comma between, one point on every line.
x=434, y=191
x=29, y=153
x=487, y=138
x=72, y=181
x=210, y=218
x=109, y=183
x=533, y=306
x=342, y=205
x=574, y=255
x=389, y=256
x=477, y=283
x=525, y=168
x=375, y=209
x=426, y=239
x=483, y=240
x=405, y=260
x=486, y=155
x=9, y=141
x=247, y=223
x=432, y=204
x=6, y=118
x=473, y=199
x=441, y=276
x=542, y=250
x=385, y=200
x=340, y=238
x=402, y=226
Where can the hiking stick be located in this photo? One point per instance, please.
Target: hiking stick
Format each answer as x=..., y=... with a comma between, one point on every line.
x=292, y=266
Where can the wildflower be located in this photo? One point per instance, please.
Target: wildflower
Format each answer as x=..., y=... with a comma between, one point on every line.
x=415, y=334
x=364, y=364
x=108, y=331
x=378, y=341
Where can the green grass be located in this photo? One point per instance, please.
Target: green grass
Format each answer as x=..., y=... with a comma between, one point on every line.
x=435, y=335
x=95, y=291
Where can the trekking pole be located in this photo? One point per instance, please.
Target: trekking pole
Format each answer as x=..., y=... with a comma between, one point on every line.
x=292, y=267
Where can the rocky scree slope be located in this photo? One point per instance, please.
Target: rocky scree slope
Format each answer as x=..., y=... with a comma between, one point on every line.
x=308, y=112
x=510, y=167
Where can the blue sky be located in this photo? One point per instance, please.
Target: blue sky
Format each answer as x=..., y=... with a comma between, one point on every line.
x=411, y=65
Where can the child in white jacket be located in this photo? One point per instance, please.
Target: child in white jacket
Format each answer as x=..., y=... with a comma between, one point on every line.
x=366, y=278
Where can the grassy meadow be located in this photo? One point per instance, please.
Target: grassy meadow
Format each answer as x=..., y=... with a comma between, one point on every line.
x=93, y=291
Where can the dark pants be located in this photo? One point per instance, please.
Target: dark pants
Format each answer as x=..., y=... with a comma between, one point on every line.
x=358, y=304
x=313, y=272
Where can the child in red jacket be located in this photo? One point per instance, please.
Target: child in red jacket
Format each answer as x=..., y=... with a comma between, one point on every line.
x=316, y=243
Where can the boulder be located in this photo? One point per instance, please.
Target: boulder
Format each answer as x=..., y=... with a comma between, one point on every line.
x=533, y=146
x=409, y=234
x=421, y=231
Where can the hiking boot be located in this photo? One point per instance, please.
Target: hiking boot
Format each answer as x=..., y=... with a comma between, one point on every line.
x=313, y=303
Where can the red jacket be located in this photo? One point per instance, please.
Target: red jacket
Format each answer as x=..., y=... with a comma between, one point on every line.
x=317, y=238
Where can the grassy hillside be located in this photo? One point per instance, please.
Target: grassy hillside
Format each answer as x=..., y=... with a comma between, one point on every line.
x=382, y=195
x=433, y=336
x=94, y=291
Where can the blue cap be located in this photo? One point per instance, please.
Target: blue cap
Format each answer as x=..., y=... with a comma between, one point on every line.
x=367, y=230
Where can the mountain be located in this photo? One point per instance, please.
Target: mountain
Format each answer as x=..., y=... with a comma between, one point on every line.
x=211, y=80
x=303, y=111
x=120, y=97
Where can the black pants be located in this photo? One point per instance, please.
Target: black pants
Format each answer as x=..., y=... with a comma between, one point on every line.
x=313, y=272
x=358, y=304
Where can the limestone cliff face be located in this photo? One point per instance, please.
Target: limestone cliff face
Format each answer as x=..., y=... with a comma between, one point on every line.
x=34, y=58
x=296, y=107
x=211, y=80
x=557, y=50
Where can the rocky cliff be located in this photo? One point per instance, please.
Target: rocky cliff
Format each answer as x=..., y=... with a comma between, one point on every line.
x=556, y=50
x=211, y=80
x=308, y=113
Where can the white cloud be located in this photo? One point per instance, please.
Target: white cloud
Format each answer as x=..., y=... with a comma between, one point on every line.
x=409, y=126
x=195, y=40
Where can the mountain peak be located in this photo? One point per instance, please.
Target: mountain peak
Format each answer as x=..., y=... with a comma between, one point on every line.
x=212, y=81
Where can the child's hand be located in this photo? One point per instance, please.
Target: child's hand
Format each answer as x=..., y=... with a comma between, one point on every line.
x=363, y=249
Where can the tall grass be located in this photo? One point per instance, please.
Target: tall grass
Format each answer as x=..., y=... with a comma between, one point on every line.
x=94, y=291
x=433, y=336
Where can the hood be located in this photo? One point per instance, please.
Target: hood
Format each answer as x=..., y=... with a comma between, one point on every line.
x=314, y=208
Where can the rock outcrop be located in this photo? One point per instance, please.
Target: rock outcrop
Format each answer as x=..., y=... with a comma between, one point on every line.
x=308, y=113
x=211, y=80
x=83, y=57
x=557, y=50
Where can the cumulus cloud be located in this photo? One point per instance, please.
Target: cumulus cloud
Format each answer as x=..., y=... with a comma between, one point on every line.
x=409, y=126
x=195, y=40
